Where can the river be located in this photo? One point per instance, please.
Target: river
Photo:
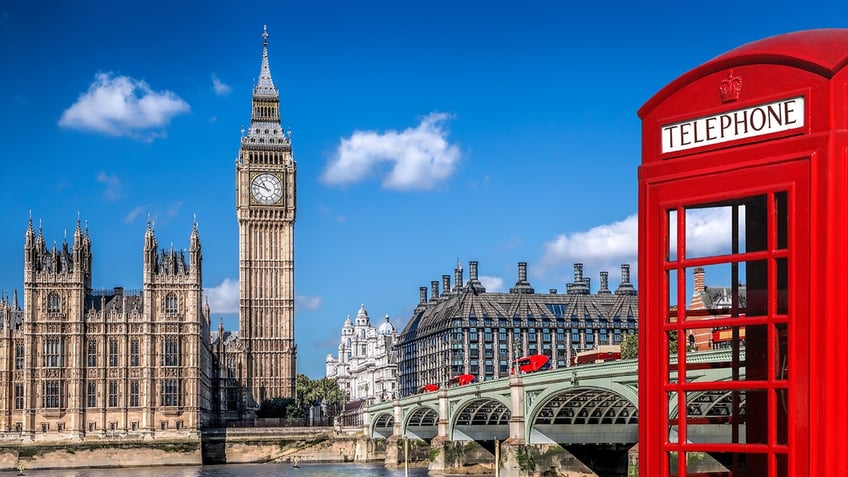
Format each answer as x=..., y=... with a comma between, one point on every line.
x=232, y=470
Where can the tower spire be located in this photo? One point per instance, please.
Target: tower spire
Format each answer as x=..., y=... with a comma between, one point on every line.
x=265, y=86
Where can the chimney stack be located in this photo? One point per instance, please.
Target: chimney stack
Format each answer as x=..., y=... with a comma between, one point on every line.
x=625, y=287
x=699, y=279
x=434, y=290
x=604, y=290
x=422, y=295
x=446, y=284
x=522, y=285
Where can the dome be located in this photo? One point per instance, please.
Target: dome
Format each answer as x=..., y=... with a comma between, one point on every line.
x=386, y=328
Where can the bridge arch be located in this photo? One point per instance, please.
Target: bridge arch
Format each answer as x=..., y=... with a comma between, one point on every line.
x=584, y=415
x=484, y=418
x=382, y=425
x=421, y=422
x=710, y=414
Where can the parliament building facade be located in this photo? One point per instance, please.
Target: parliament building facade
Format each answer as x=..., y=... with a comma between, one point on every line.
x=78, y=363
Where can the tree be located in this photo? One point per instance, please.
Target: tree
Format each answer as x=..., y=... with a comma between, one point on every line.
x=630, y=346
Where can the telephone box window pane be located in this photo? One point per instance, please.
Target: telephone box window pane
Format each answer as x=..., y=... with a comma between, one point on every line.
x=780, y=207
x=718, y=464
x=781, y=352
x=715, y=291
x=709, y=231
x=671, y=277
x=720, y=417
x=672, y=235
x=672, y=416
x=782, y=286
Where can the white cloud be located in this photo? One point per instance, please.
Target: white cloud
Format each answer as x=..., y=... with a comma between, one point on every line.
x=220, y=88
x=418, y=158
x=130, y=217
x=224, y=298
x=123, y=106
x=492, y=284
x=113, y=186
x=310, y=303
x=601, y=248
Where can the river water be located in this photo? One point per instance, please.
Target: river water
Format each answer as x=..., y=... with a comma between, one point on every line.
x=232, y=470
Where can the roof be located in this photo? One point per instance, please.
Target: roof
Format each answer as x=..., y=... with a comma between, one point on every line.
x=823, y=52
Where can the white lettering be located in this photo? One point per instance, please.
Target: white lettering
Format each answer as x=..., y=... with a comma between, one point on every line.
x=783, y=115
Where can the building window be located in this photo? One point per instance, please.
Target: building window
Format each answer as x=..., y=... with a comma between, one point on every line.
x=113, y=394
x=134, y=352
x=92, y=353
x=113, y=352
x=616, y=336
x=92, y=426
x=53, y=302
x=19, y=396
x=575, y=336
x=92, y=395
x=133, y=393
x=134, y=425
x=60, y=427
x=50, y=394
x=603, y=337
x=51, y=352
x=19, y=355
x=44, y=427
x=171, y=392
x=163, y=425
x=546, y=335
x=171, y=304
x=171, y=353
x=590, y=337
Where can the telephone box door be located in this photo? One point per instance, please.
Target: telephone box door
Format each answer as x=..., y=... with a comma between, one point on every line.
x=730, y=253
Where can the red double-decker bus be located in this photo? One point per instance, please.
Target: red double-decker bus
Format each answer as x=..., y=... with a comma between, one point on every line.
x=531, y=364
x=461, y=380
x=428, y=388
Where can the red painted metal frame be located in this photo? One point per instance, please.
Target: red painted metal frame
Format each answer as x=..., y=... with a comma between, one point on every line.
x=810, y=165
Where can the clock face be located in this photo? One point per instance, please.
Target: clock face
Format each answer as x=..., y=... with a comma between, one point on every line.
x=266, y=188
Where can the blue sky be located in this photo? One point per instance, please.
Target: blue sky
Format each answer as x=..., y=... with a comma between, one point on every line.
x=424, y=132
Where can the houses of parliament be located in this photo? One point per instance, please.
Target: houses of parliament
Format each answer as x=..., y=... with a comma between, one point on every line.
x=78, y=363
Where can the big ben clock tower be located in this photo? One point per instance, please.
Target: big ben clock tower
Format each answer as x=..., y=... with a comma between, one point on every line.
x=265, y=207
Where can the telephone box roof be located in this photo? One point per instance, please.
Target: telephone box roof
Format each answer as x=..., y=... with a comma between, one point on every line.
x=823, y=52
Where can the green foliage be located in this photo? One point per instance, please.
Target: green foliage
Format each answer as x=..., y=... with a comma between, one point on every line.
x=276, y=407
x=308, y=392
x=672, y=342
x=524, y=459
x=630, y=346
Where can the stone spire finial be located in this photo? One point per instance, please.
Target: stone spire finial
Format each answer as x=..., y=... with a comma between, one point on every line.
x=265, y=85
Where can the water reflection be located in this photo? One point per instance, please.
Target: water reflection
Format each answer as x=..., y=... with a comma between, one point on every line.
x=235, y=470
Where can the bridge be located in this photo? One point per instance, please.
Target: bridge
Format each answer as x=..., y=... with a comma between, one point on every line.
x=577, y=419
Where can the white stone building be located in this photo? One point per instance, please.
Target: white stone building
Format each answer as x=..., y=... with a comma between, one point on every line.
x=366, y=366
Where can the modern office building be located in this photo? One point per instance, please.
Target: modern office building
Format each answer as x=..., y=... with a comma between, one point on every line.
x=468, y=330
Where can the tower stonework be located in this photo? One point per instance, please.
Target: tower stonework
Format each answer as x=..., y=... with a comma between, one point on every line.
x=265, y=209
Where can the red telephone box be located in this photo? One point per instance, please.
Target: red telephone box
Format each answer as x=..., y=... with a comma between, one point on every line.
x=743, y=236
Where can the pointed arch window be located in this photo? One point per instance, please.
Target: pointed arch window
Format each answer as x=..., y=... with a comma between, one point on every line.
x=171, y=304
x=53, y=302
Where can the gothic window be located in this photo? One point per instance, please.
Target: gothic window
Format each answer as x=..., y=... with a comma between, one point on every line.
x=19, y=396
x=171, y=304
x=51, y=394
x=133, y=393
x=134, y=352
x=51, y=352
x=19, y=355
x=171, y=392
x=113, y=352
x=53, y=302
x=171, y=351
x=92, y=353
x=113, y=394
x=91, y=396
